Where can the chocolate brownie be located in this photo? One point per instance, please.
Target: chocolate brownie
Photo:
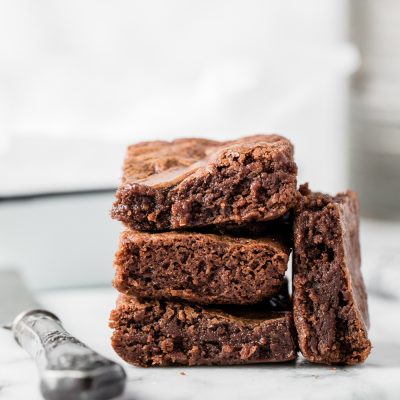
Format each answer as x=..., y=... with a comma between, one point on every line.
x=197, y=182
x=329, y=297
x=198, y=267
x=157, y=333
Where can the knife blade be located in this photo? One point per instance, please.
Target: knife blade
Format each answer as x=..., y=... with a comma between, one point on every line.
x=14, y=297
x=68, y=368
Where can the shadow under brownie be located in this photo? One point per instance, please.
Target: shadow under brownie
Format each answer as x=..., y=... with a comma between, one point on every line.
x=202, y=268
x=329, y=297
x=197, y=182
x=157, y=333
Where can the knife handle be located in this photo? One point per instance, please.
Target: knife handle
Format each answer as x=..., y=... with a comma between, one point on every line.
x=68, y=368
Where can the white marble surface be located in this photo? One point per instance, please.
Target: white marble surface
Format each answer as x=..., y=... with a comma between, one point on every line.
x=85, y=314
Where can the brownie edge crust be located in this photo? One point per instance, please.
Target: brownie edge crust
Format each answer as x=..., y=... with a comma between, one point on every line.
x=199, y=267
x=156, y=333
x=197, y=182
x=329, y=297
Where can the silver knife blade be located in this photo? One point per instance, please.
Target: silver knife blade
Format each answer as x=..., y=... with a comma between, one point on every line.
x=15, y=297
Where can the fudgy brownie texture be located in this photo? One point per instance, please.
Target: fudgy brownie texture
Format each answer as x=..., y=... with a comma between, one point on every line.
x=329, y=297
x=280, y=229
x=157, y=333
x=198, y=267
x=197, y=182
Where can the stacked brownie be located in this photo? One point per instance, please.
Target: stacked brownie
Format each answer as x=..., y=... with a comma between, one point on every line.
x=201, y=265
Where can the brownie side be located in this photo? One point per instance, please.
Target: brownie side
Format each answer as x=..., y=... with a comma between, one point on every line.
x=156, y=333
x=198, y=267
x=197, y=182
x=329, y=297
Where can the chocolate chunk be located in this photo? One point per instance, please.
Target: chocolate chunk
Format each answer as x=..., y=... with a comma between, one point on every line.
x=157, y=333
x=198, y=267
x=329, y=297
x=196, y=182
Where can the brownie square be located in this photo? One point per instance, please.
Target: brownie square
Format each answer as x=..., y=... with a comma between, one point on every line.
x=202, y=268
x=329, y=297
x=157, y=333
x=197, y=182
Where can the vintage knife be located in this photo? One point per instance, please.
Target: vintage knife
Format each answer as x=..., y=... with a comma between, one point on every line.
x=68, y=368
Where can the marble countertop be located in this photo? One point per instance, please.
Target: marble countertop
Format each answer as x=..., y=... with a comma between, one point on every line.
x=85, y=314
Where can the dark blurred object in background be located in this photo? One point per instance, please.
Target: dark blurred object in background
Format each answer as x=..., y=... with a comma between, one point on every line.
x=375, y=107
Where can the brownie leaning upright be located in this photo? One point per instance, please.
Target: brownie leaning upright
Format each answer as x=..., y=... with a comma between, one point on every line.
x=329, y=297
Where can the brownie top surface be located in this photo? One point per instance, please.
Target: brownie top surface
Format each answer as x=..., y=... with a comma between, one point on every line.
x=264, y=312
x=317, y=200
x=275, y=243
x=162, y=163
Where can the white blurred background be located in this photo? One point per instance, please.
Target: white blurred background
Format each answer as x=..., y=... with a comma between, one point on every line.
x=76, y=74
x=81, y=79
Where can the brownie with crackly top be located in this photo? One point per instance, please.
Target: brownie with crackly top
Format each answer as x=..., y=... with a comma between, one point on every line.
x=202, y=268
x=190, y=183
x=157, y=333
x=329, y=297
